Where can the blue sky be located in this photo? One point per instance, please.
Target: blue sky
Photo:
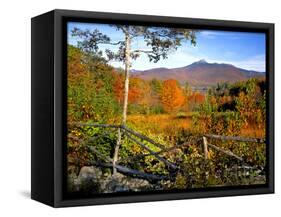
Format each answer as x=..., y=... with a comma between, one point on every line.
x=244, y=50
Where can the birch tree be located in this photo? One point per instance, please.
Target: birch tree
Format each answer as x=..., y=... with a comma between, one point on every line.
x=159, y=42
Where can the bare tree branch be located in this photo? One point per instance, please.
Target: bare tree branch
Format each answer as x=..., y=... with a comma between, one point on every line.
x=115, y=43
x=141, y=51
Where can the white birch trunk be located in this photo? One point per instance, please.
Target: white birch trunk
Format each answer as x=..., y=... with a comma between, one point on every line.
x=127, y=75
x=116, y=151
x=205, y=148
x=126, y=93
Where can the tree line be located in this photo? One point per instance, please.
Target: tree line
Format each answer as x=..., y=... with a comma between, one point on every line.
x=96, y=91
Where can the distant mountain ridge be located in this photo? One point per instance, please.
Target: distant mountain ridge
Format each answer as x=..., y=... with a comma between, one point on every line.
x=200, y=73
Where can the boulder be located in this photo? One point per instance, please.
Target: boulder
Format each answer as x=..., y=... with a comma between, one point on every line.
x=88, y=180
x=91, y=180
x=122, y=183
x=89, y=173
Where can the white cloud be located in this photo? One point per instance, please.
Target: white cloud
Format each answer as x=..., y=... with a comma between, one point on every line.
x=214, y=34
x=184, y=57
x=176, y=59
x=209, y=34
x=256, y=63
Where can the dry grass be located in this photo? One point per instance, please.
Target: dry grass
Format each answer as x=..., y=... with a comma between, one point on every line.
x=160, y=123
x=253, y=132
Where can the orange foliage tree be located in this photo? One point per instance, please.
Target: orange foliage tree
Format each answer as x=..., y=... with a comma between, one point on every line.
x=135, y=92
x=138, y=89
x=194, y=99
x=118, y=88
x=172, y=96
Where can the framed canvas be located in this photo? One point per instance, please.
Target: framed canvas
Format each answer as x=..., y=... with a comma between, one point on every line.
x=134, y=108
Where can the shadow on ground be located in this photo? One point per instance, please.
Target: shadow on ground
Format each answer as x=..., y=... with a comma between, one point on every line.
x=25, y=194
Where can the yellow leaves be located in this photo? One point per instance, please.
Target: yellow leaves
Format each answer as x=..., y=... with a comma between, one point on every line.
x=180, y=182
x=136, y=149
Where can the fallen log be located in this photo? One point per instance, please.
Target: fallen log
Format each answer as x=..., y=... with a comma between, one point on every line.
x=124, y=170
x=132, y=172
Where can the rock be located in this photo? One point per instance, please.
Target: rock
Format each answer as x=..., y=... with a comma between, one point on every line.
x=90, y=173
x=122, y=183
x=88, y=180
x=91, y=180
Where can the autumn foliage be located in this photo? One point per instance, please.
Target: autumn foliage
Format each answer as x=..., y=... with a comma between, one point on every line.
x=168, y=112
x=118, y=88
x=171, y=96
x=138, y=89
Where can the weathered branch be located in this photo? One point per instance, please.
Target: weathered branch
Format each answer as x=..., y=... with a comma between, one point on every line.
x=236, y=138
x=132, y=172
x=100, y=155
x=227, y=152
x=205, y=148
x=142, y=51
x=92, y=148
x=116, y=151
x=115, y=43
x=143, y=137
x=93, y=125
x=120, y=168
x=91, y=139
x=178, y=146
x=122, y=27
x=168, y=163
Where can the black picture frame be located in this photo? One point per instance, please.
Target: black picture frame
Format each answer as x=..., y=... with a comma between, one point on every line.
x=48, y=68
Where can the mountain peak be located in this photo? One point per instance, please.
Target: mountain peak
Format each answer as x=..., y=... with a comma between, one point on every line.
x=201, y=73
x=197, y=63
x=201, y=61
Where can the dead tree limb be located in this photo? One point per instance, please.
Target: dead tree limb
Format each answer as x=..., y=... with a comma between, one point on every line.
x=205, y=148
x=100, y=155
x=168, y=163
x=116, y=151
x=178, y=146
x=132, y=172
x=236, y=138
x=91, y=139
x=227, y=152
x=94, y=125
x=143, y=137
